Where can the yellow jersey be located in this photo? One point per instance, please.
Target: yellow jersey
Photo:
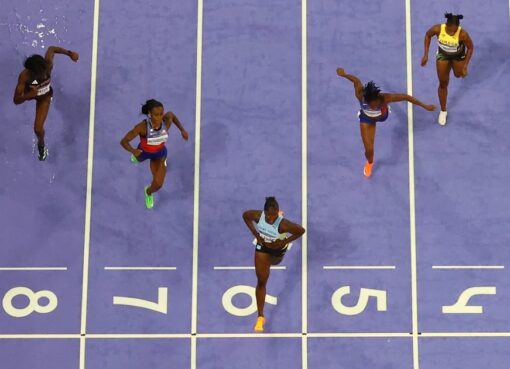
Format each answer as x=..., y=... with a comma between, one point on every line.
x=448, y=44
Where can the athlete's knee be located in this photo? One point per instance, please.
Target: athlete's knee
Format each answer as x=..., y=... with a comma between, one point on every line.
x=443, y=83
x=38, y=130
x=261, y=283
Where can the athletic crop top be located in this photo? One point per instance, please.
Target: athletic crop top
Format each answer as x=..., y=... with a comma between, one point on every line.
x=449, y=45
x=155, y=139
x=269, y=232
x=43, y=86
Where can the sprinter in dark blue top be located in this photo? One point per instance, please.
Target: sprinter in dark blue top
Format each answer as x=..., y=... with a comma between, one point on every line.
x=374, y=107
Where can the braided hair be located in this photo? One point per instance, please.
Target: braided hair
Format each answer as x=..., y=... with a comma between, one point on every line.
x=271, y=203
x=149, y=105
x=371, y=91
x=453, y=18
x=36, y=64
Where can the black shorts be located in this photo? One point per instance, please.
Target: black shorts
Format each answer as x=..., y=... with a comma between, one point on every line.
x=458, y=57
x=270, y=251
x=48, y=95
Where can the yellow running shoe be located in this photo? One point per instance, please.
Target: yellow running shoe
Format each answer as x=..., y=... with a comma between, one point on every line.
x=367, y=170
x=259, y=326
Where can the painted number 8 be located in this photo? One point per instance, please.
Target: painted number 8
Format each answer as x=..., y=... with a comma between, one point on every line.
x=33, y=304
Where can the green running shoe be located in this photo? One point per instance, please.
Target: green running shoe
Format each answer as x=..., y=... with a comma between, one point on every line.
x=149, y=199
x=134, y=160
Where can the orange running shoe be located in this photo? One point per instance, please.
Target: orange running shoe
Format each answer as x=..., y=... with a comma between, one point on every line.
x=367, y=170
x=259, y=326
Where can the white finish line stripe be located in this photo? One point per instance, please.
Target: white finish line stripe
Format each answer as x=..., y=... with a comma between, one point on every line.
x=258, y=335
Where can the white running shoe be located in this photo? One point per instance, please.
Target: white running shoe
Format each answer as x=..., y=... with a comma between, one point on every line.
x=442, y=117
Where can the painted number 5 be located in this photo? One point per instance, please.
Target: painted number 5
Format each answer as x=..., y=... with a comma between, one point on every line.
x=361, y=305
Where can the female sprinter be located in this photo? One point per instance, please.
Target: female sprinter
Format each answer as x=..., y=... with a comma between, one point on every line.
x=374, y=108
x=34, y=83
x=153, y=133
x=452, y=41
x=270, y=230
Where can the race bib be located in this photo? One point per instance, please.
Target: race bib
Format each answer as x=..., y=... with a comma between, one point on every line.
x=43, y=90
x=154, y=141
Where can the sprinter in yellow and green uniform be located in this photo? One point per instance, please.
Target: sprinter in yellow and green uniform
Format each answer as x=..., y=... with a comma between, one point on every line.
x=455, y=49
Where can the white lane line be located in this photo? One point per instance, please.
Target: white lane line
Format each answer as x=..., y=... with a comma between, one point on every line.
x=464, y=334
x=139, y=268
x=304, y=181
x=412, y=200
x=360, y=335
x=256, y=335
x=249, y=335
x=359, y=267
x=196, y=186
x=88, y=196
x=273, y=267
x=139, y=336
x=30, y=269
x=468, y=267
x=35, y=336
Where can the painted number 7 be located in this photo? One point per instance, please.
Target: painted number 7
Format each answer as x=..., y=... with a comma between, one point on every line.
x=161, y=306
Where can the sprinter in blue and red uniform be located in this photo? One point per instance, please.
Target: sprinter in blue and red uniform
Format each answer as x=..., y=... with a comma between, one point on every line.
x=153, y=133
x=374, y=107
x=34, y=83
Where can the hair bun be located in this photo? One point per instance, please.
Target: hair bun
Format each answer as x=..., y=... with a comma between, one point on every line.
x=460, y=16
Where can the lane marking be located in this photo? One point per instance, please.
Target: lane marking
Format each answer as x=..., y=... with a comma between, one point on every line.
x=412, y=201
x=196, y=186
x=88, y=198
x=139, y=268
x=359, y=267
x=256, y=335
x=273, y=267
x=468, y=267
x=57, y=336
x=360, y=335
x=35, y=269
x=464, y=334
x=304, y=182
